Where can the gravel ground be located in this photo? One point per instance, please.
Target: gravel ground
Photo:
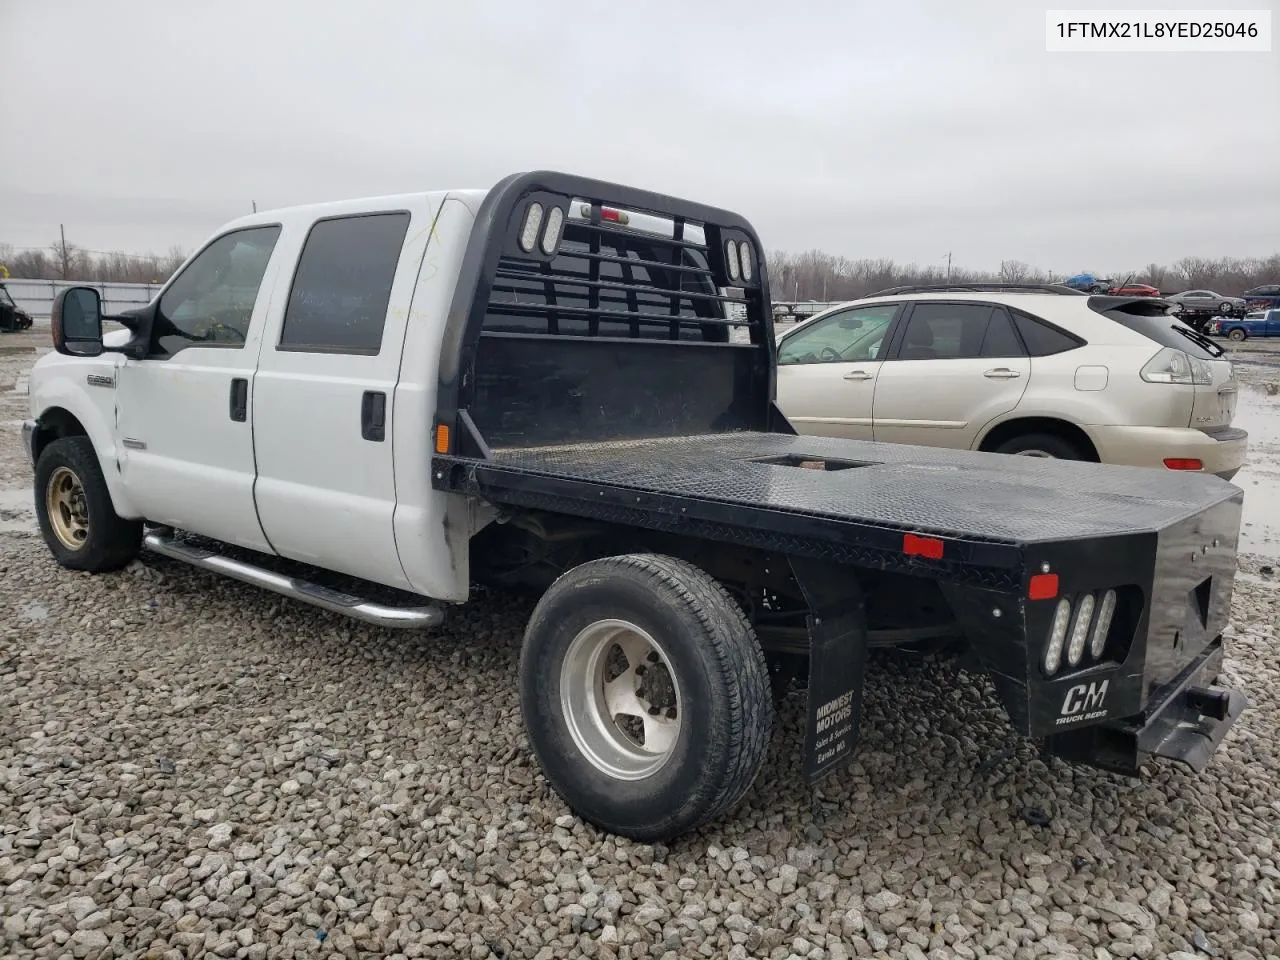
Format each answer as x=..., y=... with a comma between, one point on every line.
x=190, y=767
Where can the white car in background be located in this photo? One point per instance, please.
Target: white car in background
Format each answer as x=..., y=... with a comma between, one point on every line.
x=1039, y=371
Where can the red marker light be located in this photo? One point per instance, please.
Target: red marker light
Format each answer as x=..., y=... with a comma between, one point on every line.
x=917, y=546
x=1043, y=586
x=1183, y=463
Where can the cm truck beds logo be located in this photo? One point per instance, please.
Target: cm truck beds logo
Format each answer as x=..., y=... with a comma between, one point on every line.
x=1084, y=702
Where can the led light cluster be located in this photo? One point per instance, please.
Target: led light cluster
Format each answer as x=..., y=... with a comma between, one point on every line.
x=533, y=220
x=1087, y=622
x=740, y=259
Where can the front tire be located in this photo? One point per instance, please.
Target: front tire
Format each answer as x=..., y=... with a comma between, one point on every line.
x=645, y=694
x=1046, y=445
x=1226, y=309
x=73, y=506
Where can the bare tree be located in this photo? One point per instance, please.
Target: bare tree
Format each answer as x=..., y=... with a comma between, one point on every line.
x=1015, y=271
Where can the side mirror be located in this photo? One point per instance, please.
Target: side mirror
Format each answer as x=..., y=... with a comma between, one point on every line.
x=76, y=322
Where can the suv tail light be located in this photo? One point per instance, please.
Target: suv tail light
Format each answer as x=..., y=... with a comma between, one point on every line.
x=1174, y=366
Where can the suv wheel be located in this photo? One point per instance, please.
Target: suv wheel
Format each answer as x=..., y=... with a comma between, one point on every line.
x=1046, y=445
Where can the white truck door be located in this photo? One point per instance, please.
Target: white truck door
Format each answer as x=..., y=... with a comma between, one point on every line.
x=323, y=401
x=183, y=432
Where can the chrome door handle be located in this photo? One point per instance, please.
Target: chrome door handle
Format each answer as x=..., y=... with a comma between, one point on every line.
x=1002, y=373
x=857, y=375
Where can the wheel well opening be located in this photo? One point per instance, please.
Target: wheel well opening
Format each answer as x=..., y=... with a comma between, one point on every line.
x=1059, y=428
x=54, y=424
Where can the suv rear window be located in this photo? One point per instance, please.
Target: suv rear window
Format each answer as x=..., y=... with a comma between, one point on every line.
x=1153, y=323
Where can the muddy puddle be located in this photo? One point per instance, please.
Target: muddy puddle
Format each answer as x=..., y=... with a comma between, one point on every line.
x=1259, y=413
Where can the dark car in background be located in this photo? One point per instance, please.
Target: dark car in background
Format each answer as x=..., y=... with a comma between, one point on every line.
x=12, y=317
x=1265, y=297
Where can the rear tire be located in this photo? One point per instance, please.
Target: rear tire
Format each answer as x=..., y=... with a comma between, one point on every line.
x=666, y=768
x=1237, y=335
x=73, y=506
x=1046, y=445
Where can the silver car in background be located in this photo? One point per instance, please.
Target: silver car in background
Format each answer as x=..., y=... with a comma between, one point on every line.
x=1204, y=303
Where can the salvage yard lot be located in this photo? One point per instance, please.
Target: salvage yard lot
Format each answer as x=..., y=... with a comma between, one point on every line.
x=192, y=767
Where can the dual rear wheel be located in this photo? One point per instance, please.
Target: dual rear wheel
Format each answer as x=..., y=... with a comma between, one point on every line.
x=646, y=695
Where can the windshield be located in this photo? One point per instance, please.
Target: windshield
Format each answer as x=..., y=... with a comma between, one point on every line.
x=5, y=298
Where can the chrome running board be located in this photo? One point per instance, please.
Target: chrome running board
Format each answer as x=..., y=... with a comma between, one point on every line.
x=304, y=590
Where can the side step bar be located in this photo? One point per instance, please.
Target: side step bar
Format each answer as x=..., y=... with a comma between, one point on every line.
x=304, y=590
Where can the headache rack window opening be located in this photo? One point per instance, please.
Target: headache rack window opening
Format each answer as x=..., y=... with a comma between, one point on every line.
x=646, y=237
x=639, y=290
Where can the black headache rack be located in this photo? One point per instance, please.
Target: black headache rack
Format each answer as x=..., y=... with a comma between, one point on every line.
x=566, y=388
x=642, y=316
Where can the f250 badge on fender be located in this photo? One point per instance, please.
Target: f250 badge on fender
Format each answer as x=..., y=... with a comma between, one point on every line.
x=1084, y=702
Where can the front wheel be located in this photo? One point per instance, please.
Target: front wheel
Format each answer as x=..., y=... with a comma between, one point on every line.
x=74, y=509
x=1226, y=309
x=1237, y=335
x=645, y=694
x=1046, y=445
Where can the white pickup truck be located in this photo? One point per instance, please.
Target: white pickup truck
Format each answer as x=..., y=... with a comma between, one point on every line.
x=567, y=385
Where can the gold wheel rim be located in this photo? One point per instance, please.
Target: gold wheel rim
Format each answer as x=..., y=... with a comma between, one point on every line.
x=66, y=507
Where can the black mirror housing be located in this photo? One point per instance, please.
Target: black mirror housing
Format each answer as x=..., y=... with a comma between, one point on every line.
x=76, y=322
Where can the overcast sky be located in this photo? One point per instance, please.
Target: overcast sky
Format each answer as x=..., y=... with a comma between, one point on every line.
x=901, y=130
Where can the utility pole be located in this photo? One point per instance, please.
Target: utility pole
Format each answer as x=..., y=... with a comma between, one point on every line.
x=255, y=205
x=948, y=266
x=62, y=230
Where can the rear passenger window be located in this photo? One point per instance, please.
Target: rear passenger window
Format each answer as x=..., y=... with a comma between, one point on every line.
x=338, y=303
x=1041, y=339
x=1000, y=340
x=945, y=331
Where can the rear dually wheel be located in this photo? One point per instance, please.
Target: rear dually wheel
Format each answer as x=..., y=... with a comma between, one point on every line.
x=645, y=694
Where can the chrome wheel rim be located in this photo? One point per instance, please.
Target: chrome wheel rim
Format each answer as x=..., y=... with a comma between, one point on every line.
x=620, y=699
x=67, y=510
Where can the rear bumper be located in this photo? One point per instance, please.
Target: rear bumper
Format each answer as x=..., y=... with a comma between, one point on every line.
x=1151, y=446
x=1184, y=721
